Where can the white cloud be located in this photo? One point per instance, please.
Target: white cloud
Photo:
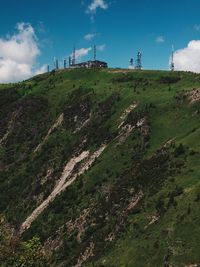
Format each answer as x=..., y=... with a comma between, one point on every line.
x=101, y=47
x=82, y=52
x=18, y=54
x=188, y=58
x=41, y=70
x=96, y=4
x=89, y=36
x=160, y=39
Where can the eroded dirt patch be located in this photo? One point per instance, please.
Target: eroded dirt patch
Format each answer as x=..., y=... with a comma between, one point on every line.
x=193, y=95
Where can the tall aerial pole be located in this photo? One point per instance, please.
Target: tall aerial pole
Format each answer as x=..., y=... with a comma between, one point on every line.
x=70, y=62
x=56, y=63
x=95, y=52
x=74, y=56
x=57, y=66
x=172, y=66
x=48, y=68
x=65, y=63
x=139, y=61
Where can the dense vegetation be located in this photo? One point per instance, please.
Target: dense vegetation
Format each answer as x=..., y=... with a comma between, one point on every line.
x=137, y=205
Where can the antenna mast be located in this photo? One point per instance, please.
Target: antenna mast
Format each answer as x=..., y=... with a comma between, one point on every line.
x=74, y=57
x=131, y=63
x=139, y=61
x=172, y=66
x=65, y=63
x=56, y=63
x=57, y=67
x=70, y=62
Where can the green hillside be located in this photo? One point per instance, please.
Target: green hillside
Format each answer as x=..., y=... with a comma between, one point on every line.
x=100, y=168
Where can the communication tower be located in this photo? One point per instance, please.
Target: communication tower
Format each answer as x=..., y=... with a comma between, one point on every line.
x=172, y=66
x=139, y=61
x=74, y=57
x=65, y=63
x=70, y=62
x=131, y=62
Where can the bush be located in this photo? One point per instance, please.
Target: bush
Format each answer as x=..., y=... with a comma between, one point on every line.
x=180, y=150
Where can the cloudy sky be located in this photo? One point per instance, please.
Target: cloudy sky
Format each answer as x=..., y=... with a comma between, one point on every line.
x=34, y=32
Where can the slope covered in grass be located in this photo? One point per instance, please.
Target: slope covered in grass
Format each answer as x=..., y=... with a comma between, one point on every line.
x=134, y=203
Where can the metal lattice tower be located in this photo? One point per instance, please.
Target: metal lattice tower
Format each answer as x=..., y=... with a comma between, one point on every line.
x=131, y=62
x=172, y=66
x=48, y=68
x=65, y=64
x=74, y=57
x=56, y=64
x=138, y=65
x=70, y=62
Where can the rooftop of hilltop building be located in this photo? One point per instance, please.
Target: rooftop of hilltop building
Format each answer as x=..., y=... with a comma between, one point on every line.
x=90, y=64
x=87, y=64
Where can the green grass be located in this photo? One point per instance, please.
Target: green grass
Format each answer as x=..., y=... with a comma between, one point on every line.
x=170, y=178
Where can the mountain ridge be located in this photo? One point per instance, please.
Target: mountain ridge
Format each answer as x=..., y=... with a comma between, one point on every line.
x=128, y=143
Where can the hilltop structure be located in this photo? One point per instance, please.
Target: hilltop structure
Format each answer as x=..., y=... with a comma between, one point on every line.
x=90, y=64
x=172, y=65
x=138, y=62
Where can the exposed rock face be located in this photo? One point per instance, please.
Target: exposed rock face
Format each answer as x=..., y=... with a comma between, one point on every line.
x=61, y=185
x=126, y=113
x=193, y=95
x=88, y=253
x=66, y=179
x=58, y=122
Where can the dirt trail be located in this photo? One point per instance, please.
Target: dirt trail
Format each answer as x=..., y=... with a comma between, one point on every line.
x=58, y=122
x=66, y=179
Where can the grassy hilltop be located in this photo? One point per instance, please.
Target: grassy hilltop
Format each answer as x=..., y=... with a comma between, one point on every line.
x=132, y=200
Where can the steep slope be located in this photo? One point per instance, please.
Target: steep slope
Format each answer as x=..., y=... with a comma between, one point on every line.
x=103, y=167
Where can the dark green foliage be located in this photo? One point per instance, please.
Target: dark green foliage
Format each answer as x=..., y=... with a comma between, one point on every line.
x=9, y=96
x=169, y=79
x=180, y=150
x=16, y=253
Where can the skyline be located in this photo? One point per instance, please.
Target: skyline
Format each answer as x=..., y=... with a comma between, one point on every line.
x=35, y=33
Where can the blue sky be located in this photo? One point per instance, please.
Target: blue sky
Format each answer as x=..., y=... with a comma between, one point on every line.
x=121, y=28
